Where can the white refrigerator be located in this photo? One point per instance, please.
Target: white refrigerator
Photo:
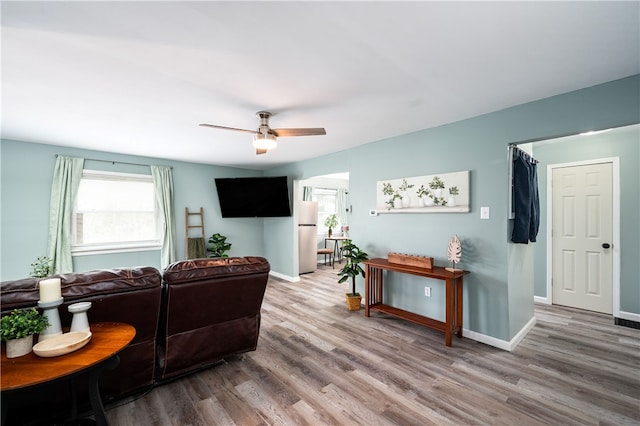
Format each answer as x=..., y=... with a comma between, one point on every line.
x=307, y=236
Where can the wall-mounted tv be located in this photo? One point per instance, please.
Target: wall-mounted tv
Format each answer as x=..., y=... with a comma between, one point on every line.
x=254, y=196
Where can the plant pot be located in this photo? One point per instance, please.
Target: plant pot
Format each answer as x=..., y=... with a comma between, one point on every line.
x=397, y=203
x=353, y=302
x=451, y=201
x=428, y=202
x=19, y=347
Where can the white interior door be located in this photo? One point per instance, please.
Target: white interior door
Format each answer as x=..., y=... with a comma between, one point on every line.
x=582, y=235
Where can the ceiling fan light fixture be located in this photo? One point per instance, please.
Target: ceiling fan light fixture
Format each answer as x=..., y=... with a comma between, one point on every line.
x=264, y=141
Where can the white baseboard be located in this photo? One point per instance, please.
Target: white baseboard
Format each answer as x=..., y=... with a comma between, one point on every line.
x=487, y=340
x=628, y=316
x=499, y=343
x=620, y=314
x=284, y=277
x=542, y=300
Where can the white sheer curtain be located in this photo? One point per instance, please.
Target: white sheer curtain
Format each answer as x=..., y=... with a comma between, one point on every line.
x=163, y=186
x=64, y=188
x=307, y=193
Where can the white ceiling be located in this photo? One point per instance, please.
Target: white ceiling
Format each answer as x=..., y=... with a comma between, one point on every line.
x=138, y=77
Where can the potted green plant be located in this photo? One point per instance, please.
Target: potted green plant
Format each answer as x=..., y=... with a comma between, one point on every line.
x=18, y=328
x=351, y=269
x=42, y=267
x=331, y=222
x=218, y=246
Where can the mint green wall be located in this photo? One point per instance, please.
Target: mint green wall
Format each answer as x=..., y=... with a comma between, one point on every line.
x=26, y=171
x=497, y=304
x=497, y=296
x=626, y=146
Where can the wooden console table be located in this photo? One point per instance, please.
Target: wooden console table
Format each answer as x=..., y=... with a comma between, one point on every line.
x=101, y=353
x=453, y=300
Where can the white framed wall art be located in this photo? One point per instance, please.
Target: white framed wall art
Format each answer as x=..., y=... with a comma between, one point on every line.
x=438, y=193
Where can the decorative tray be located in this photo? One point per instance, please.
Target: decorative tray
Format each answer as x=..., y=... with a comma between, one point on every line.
x=62, y=344
x=411, y=260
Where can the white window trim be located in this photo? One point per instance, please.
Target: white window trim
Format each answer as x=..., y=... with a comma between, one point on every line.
x=322, y=230
x=93, y=249
x=101, y=174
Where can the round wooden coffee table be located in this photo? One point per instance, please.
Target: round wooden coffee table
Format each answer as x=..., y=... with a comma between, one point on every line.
x=101, y=353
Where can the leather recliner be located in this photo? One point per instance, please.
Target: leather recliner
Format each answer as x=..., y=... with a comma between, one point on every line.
x=212, y=310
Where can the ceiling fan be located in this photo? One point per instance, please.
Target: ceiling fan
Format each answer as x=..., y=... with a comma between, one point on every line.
x=265, y=136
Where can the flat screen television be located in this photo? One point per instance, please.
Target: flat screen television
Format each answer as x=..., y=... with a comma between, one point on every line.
x=254, y=196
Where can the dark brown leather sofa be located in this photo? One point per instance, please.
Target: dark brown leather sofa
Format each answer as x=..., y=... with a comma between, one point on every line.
x=196, y=314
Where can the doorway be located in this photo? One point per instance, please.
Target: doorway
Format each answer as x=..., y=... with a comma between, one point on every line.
x=329, y=193
x=583, y=205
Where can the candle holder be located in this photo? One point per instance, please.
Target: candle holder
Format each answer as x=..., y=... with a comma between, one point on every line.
x=53, y=316
x=80, y=321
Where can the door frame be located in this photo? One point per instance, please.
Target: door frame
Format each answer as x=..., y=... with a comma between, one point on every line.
x=615, y=225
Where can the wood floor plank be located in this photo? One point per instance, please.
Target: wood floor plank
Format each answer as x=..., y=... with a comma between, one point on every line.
x=319, y=364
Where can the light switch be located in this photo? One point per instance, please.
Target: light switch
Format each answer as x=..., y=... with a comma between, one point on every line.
x=484, y=213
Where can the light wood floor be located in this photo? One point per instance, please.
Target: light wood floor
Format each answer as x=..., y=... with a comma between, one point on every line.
x=319, y=364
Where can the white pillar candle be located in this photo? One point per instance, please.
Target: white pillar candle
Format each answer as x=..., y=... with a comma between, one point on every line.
x=50, y=290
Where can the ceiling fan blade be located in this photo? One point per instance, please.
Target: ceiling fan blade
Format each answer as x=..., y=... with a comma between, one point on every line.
x=229, y=128
x=260, y=151
x=299, y=132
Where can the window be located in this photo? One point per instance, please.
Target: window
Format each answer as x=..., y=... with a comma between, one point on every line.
x=327, y=204
x=114, y=212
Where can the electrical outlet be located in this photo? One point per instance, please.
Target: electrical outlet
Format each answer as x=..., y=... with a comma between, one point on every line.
x=427, y=291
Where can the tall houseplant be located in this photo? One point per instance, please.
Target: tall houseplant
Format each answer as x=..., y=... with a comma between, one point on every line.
x=218, y=246
x=351, y=269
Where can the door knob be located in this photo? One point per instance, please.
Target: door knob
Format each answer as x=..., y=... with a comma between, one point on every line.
x=606, y=245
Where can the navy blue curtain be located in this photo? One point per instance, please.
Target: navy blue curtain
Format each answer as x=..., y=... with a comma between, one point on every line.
x=526, y=203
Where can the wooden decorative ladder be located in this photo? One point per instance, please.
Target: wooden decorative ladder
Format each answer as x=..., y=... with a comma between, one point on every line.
x=194, y=234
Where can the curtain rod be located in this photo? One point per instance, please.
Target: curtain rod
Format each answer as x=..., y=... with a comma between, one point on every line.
x=330, y=189
x=119, y=162
x=528, y=156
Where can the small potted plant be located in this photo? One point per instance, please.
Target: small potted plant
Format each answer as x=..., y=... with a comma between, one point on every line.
x=331, y=222
x=18, y=328
x=42, y=267
x=351, y=269
x=218, y=246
